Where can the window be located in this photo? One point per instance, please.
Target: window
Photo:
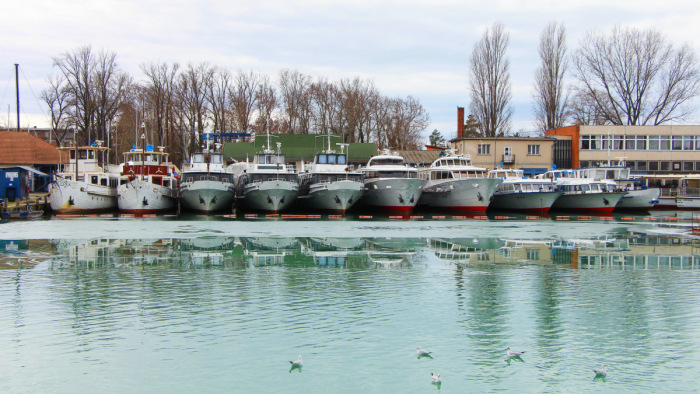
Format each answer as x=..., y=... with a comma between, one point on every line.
x=688, y=142
x=641, y=142
x=654, y=142
x=585, y=142
x=677, y=142
x=687, y=166
x=533, y=149
x=533, y=254
x=483, y=149
x=665, y=166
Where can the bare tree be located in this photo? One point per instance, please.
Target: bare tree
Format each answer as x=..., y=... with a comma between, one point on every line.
x=110, y=85
x=266, y=103
x=159, y=91
x=57, y=98
x=636, y=77
x=551, y=97
x=296, y=101
x=219, y=97
x=97, y=86
x=489, y=82
x=409, y=120
x=191, y=106
x=243, y=95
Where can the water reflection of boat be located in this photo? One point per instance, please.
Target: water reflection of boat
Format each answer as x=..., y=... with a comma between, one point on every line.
x=332, y=251
x=264, y=251
x=388, y=252
x=449, y=251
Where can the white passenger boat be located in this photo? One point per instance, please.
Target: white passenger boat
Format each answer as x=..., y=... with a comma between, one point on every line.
x=147, y=183
x=206, y=185
x=637, y=197
x=329, y=184
x=82, y=185
x=517, y=193
x=266, y=184
x=453, y=183
x=390, y=184
x=586, y=195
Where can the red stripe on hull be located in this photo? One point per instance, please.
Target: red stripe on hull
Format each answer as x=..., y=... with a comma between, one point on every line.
x=601, y=210
x=468, y=209
x=145, y=211
x=394, y=209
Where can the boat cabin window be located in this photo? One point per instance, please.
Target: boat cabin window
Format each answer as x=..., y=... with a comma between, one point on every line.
x=386, y=162
x=217, y=159
x=93, y=179
x=103, y=181
x=198, y=158
x=157, y=180
x=82, y=154
x=166, y=182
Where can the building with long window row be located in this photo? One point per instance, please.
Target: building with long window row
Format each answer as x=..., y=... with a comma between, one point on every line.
x=645, y=149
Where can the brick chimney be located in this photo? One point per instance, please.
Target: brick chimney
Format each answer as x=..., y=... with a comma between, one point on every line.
x=460, y=122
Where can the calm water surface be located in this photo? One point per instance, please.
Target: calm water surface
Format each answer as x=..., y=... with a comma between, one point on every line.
x=159, y=305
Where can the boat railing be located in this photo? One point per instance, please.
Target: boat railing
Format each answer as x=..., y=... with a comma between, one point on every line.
x=680, y=192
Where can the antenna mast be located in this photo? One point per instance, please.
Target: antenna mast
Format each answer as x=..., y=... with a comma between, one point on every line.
x=17, y=89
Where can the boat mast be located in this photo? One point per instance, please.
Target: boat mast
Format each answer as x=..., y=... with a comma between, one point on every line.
x=17, y=90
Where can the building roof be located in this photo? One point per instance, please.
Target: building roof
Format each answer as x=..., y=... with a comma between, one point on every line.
x=297, y=147
x=21, y=147
x=420, y=156
x=506, y=138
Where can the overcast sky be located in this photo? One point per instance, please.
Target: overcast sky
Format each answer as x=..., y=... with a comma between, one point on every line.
x=417, y=48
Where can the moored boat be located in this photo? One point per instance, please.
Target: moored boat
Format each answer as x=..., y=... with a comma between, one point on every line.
x=206, y=186
x=637, y=197
x=266, y=184
x=517, y=193
x=586, y=195
x=390, y=184
x=147, y=183
x=329, y=184
x=453, y=183
x=82, y=185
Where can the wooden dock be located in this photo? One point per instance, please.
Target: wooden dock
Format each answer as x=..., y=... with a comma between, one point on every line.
x=34, y=206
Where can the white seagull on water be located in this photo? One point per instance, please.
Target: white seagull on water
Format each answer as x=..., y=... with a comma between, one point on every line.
x=297, y=363
x=603, y=371
x=511, y=353
x=436, y=378
x=422, y=352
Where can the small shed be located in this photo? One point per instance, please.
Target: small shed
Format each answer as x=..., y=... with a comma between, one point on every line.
x=26, y=160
